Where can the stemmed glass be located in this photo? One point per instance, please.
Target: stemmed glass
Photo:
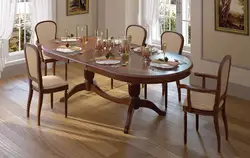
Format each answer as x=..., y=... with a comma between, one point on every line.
x=66, y=37
x=164, y=49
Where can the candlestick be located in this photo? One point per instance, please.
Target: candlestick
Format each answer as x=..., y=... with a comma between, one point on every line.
x=86, y=32
x=106, y=34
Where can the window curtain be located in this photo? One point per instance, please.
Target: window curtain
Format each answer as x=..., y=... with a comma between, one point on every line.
x=149, y=16
x=41, y=10
x=7, y=18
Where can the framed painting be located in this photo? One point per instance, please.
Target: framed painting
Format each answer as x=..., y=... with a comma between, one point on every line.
x=232, y=16
x=75, y=7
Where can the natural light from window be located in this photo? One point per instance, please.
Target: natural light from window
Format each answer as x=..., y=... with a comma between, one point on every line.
x=22, y=27
x=174, y=15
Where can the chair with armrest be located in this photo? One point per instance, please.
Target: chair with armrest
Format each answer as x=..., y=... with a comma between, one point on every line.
x=42, y=84
x=209, y=102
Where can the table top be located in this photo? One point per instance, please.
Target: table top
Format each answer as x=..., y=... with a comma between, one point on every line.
x=136, y=71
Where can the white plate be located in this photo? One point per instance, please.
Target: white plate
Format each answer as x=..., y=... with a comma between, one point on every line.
x=138, y=49
x=69, y=39
x=163, y=65
x=65, y=50
x=108, y=62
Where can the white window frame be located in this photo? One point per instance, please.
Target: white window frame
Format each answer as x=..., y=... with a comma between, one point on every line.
x=182, y=16
x=17, y=57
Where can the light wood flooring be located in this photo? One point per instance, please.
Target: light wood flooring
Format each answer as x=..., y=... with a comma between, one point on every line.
x=94, y=128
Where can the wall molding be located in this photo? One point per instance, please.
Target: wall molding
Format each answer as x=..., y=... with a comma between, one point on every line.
x=202, y=43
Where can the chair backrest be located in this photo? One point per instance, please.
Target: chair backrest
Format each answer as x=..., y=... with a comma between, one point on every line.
x=174, y=41
x=33, y=63
x=138, y=33
x=45, y=31
x=223, y=78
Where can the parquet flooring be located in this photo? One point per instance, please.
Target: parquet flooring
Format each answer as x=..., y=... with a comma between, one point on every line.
x=94, y=128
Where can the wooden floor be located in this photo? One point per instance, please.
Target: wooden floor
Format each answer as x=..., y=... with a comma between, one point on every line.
x=94, y=128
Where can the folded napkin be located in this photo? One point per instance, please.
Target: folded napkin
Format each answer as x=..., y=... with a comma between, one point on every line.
x=163, y=64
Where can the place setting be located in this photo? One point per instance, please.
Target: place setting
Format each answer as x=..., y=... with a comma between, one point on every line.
x=115, y=50
x=156, y=62
x=71, y=44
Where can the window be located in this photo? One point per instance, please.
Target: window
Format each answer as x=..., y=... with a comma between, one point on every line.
x=21, y=32
x=174, y=15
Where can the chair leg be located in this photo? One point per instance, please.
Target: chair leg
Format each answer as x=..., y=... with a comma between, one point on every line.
x=66, y=71
x=112, y=83
x=29, y=100
x=163, y=89
x=51, y=100
x=217, y=130
x=66, y=103
x=40, y=102
x=45, y=69
x=197, y=122
x=54, y=68
x=145, y=91
x=185, y=128
x=224, y=117
x=179, y=90
x=166, y=96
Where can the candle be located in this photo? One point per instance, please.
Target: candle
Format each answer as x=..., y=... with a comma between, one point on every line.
x=77, y=30
x=106, y=34
x=86, y=32
x=96, y=32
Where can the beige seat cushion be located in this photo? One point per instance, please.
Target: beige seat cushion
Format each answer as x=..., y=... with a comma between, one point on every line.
x=202, y=101
x=51, y=82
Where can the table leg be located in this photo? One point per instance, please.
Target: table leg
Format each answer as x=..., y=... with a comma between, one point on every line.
x=136, y=103
x=89, y=76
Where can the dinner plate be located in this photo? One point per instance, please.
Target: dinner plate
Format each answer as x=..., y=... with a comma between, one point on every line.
x=63, y=39
x=68, y=50
x=154, y=50
x=164, y=65
x=108, y=62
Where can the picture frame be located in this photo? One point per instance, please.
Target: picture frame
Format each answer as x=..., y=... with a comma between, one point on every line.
x=76, y=7
x=232, y=16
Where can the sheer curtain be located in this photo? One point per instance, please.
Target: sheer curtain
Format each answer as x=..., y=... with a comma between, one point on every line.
x=149, y=15
x=7, y=18
x=42, y=10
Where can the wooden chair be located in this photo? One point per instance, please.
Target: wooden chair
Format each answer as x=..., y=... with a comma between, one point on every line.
x=209, y=102
x=46, y=31
x=139, y=36
x=175, y=42
x=41, y=84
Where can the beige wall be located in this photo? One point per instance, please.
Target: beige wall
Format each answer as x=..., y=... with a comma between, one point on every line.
x=238, y=75
x=115, y=17
x=70, y=22
x=228, y=43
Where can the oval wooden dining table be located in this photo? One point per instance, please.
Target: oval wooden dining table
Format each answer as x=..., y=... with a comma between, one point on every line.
x=135, y=72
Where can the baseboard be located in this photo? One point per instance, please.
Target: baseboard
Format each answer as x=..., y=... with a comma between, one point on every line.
x=235, y=90
x=14, y=70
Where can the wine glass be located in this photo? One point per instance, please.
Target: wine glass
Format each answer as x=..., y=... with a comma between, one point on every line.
x=164, y=49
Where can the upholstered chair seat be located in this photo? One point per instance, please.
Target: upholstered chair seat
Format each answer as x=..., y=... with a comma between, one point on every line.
x=202, y=101
x=51, y=82
x=46, y=31
x=41, y=84
x=209, y=102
